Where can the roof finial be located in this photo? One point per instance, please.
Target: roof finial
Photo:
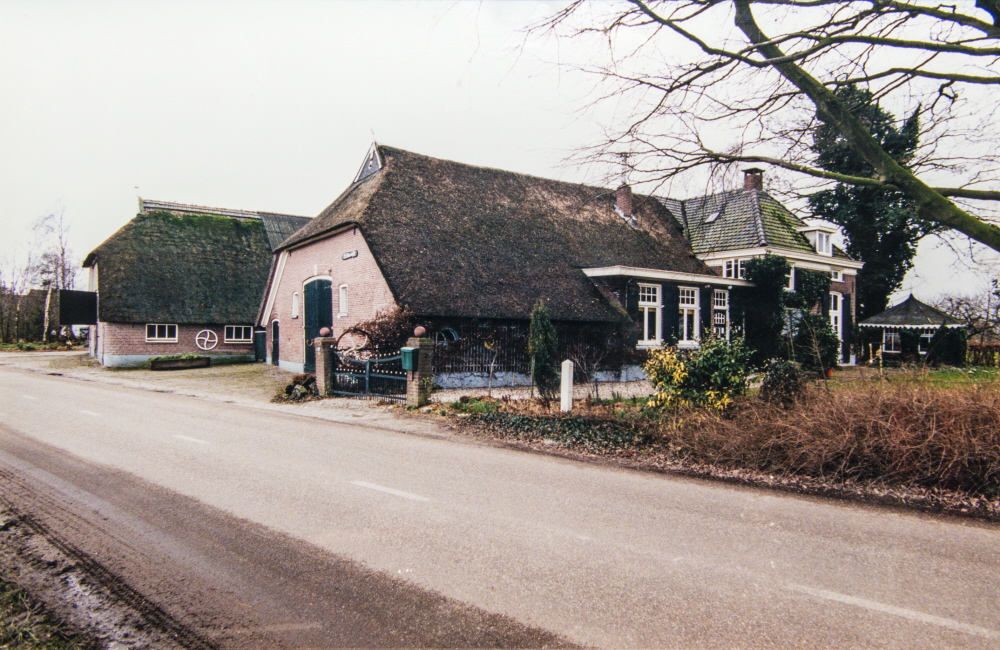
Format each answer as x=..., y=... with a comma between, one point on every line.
x=374, y=141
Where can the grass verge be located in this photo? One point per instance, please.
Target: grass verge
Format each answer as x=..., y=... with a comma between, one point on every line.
x=933, y=444
x=25, y=626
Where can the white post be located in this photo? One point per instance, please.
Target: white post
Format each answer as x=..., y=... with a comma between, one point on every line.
x=566, y=387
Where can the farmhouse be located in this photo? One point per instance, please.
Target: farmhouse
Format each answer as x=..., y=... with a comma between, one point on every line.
x=181, y=279
x=729, y=228
x=462, y=248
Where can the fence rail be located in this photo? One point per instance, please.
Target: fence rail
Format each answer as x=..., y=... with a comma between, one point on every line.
x=983, y=354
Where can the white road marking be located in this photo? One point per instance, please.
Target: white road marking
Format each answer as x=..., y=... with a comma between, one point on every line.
x=28, y=397
x=91, y=413
x=398, y=493
x=910, y=614
x=200, y=442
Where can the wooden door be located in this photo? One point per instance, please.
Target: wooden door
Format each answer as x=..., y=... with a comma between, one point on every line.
x=319, y=314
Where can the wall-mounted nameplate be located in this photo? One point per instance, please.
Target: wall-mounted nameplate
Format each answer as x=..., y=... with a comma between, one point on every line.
x=348, y=255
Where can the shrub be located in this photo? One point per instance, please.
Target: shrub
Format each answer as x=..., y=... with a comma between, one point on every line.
x=909, y=434
x=815, y=344
x=543, y=345
x=711, y=376
x=782, y=382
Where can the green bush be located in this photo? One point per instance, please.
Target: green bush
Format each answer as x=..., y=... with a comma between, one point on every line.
x=782, y=382
x=166, y=357
x=710, y=376
x=815, y=344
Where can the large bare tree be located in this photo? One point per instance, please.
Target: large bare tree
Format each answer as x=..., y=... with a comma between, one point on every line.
x=692, y=70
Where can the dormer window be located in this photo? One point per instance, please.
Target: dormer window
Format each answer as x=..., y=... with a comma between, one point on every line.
x=820, y=238
x=823, y=246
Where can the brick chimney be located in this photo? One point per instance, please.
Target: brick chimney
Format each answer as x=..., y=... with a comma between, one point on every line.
x=623, y=201
x=753, y=179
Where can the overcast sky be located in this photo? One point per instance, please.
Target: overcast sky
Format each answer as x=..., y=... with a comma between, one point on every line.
x=272, y=106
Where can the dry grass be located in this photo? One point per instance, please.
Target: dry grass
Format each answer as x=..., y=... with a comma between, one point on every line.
x=897, y=433
x=908, y=432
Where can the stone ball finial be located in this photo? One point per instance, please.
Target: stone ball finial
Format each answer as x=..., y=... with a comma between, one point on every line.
x=325, y=331
x=419, y=330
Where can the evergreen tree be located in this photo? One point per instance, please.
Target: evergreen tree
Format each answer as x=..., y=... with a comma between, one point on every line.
x=543, y=347
x=880, y=226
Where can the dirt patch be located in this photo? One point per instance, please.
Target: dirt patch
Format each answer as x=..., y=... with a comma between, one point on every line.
x=87, y=599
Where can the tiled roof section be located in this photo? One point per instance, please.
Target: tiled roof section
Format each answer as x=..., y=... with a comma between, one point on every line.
x=277, y=226
x=457, y=240
x=280, y=227
x=910, y=313
x=739, y=219
x=163, y=267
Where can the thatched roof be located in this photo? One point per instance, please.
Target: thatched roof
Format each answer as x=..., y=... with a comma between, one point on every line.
x=458, y=240
x=183, y=264
x=911, y=313
x=740, y=219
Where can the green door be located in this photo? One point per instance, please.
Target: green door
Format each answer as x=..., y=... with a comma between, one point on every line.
x=319, y=314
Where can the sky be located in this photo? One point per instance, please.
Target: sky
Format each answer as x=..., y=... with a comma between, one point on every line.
x=272, y=106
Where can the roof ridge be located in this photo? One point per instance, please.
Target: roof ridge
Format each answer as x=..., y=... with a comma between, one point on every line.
x=504, y=171
x=170, y=206
x=758, y=215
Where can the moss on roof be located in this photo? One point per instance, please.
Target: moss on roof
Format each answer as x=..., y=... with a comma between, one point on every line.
x=740, y=219
x=458, y=240
x=198, y=269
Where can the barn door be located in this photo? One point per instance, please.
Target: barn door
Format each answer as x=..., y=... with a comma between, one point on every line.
x=319, y=314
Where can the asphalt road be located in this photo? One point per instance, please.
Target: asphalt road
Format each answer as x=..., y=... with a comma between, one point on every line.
x=260, y=529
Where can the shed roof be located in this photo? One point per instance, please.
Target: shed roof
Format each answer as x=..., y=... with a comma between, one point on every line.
x=176, y=263
x=911, y=313
x=457, y=240
x=739, y=219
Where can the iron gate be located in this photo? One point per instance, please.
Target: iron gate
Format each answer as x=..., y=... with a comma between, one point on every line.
x=375, y=377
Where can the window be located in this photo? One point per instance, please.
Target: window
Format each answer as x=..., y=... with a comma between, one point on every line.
x=925, y=341
x=343, y=301
x=649, y=313
x=823, y=246
x=295, y=305
x=735, y=269
x=161, y=333
x=790, y=277
x=239, y=334
x=687, y=326
x=836, y=275
x=836, y=314
x=720, y=313
x=890, y=341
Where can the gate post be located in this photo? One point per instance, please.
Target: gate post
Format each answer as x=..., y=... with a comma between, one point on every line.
x=419, y=380
x=324, y=364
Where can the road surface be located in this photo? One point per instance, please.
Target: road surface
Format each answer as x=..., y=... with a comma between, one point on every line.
x=260, y=529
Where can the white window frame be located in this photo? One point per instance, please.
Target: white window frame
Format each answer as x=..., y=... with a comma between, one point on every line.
x=242, y=329
x=894, y=336
x=924, y=345
x=836, y=275
x=720, y=307
x=836, y=314
x=295, y=304
x=684, y=309
x=790, y=285
x=652, y=304
x=735, y=268
x=824, y=244
x=342, y=301
x=166, y=338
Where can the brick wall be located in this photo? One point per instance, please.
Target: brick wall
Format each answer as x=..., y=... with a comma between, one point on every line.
x=368, y=293
x=130, y=339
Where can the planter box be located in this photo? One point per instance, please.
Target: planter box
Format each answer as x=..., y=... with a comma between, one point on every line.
x=179, y=364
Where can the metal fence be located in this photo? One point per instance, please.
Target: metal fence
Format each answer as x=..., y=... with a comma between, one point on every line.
x=369, y=374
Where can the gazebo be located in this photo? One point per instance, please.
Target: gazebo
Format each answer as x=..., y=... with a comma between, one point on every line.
x=909, y=329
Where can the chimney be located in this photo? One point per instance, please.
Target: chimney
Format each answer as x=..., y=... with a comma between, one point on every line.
x=623, y=202
x=753, y=179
